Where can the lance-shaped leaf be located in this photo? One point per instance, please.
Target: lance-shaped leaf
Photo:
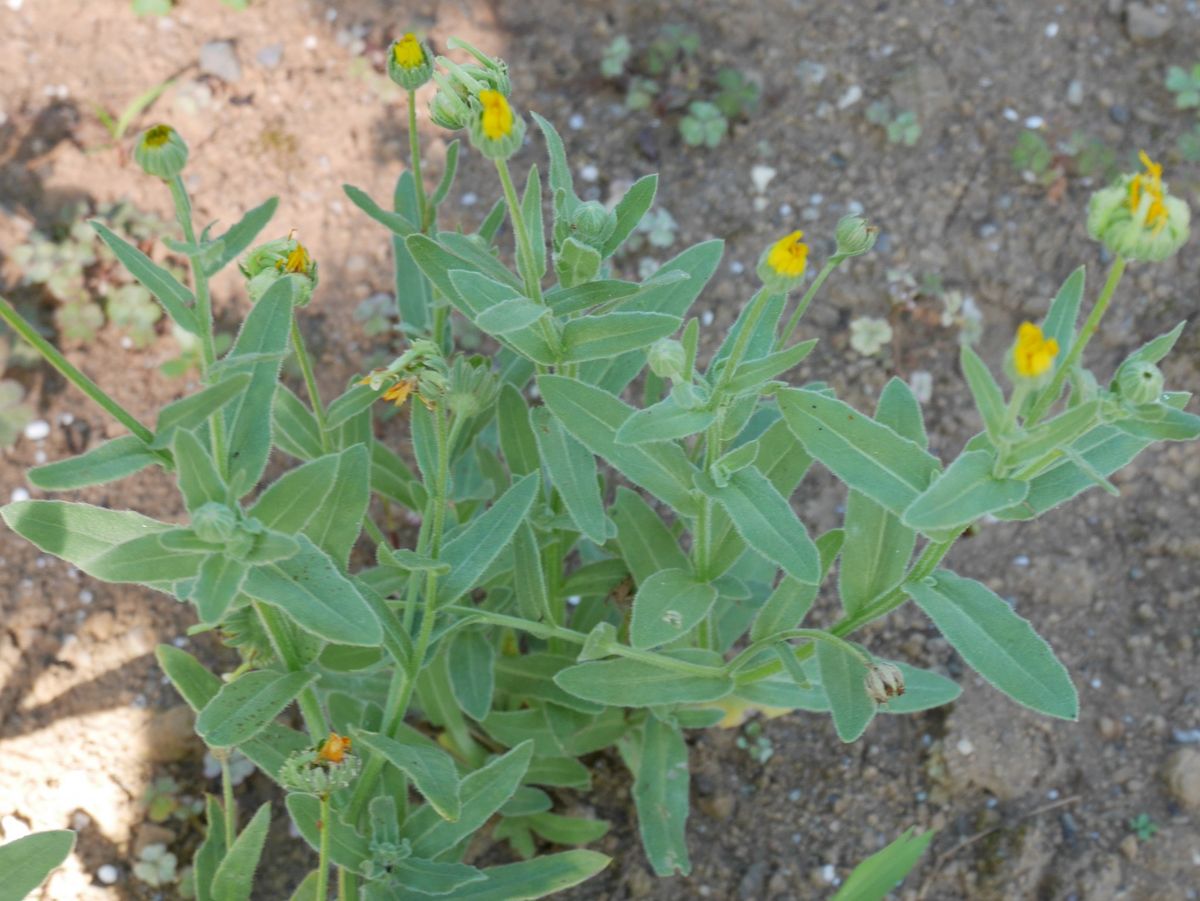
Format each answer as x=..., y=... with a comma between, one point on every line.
x=175, y=298
x=668, y=606
x=199, y=481
x=636, y=683
x=629, y=211
x=426, y=878
x=594, y=417
x=529, y=578
x=478, y=294
x=293, y=426
x=528, y=879
x=997, y=643
x=610, y=334
x=393, y=222
x=192, y=411
x=78, y=533
x=766, y=522
x=235, y=874
x=647, y=545
x=752, y=374
x=878, y=875
x=27, y=861
x=1064, y=310
x=208, y=856
x=473, y=549
x=263, y=338
x=413, y=296
x=660, y=791
x=989, y=399
x=107, y=462
x=430, y=768
x=923, y=690
x=148, y=560
x=786, y=606
x=967, y=490
x=472, y=671
x=244, y=707
x=310, y=590
x=865, y=454
x=481, y=792
x=240, y=236
x=572, y=470
x=219, y=582
x=665, y=421
x=843, y=679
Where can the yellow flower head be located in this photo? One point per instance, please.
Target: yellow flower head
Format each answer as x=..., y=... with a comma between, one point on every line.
x=1146, y=187
x=789, y=256
x=333, y=749
x=156, y=136
x=297, y=261
x=497, y=120
x=1033, y=354
x=408, y=52
x=400, y=391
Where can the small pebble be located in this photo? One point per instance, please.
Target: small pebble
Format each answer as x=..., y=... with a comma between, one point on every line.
x=1052, y=29
x=574, y=599
x=1052, y=795
x=575, y=122
x=180, y=642
x=761, y=176
x=1096, y=683
x=1075, y=93
x=785, y=210
x=854, y=208
x=107, y=873
x=469, y=199
x=38, y=430
x=706, y=318
x=589, y=172
x=86, y=597
x=18, y=495
x=852, y=95
x=736, y=267
x=795, y=795
x=829, y=873
x=270, y=56
x=65, y=418
x=1010, y=114
x=39, y=457
x=1186, y=736
x=1119, y=114
x=1035, y=122
x=310, y=42
x=1020, y=560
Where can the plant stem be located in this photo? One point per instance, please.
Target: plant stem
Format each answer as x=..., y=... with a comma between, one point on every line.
x=757, y=304
x=533, y=285
x=323, y=859
x=81, y=381
x=310, y=707
x=1063, y=372
x=310, y=381
x=227, y=794
x=812, y=634
x=414, y=151
x=826, y=270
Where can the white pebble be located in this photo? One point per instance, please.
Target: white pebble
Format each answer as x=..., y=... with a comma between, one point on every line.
x=66, y=418
x=1020, y=560
x=1052, y=29
x=965, y=748
x=574, y=599
x=331, y=15
x=310, y=42
x=816, y=199
x=126, y=342
x=14, y=5
x=921, y=383
x=180, y=642
x=1052, y=795
x=589, y=172
x=39, y=457
x=1096, y=683
x=469, y=199
x=86, y=597
x=761, y=176
x=760, y=204
x=854, y=208
x=38, y=430
x=828, y=873
x=575, y=122
x=785, y=210
x=107, y=873
x=1035, y=122
x=736, y=267
x=706, y=318
x=852, y=95
x=1011, y=114
x=18, y=495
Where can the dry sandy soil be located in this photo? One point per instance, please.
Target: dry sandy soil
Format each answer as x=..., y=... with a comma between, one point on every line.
x=1026, y=808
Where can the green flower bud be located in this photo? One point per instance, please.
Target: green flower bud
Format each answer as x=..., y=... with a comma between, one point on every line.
x=449, y=108
x=667, y=359
x=1139, y=382
x=491, y=71
x=214, y=523
x=496, y=131
x=592, y=224
x=282, y=258
x=1137, y=218
x=854, y=236
x=161, y=151
x=409, y=62
x=471, y=386
x=242, y=629
x=306, y=771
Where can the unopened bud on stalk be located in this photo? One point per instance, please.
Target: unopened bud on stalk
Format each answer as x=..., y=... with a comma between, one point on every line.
x=409, y=62
x=667, y=358
x=854, y=236
x=160, y=151
x=1139, y=382
x=884, y=681
x=592, y=224
x=214, y=523
x=282, y=258
x=1137, y=217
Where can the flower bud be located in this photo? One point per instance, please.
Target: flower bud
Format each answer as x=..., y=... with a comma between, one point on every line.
x=854, y=236
x=409, y=62
x=1139, y=382
x=667, y=358
x=496, y=131
x=214, y=523
x=282, y=258
x=1137, y=218
x=161, y=151
x=782, y=265
x=308, y=771
x=491, y=71
x=592, y=224
x=449, y=108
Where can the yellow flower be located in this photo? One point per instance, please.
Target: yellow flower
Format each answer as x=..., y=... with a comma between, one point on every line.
x=333, y=749
x=297, y=261
x=1146, y=187
x=789, y=256
x=1033, y=354
x=157, y=136
x=400, y=391
x=407, y=52
x=497, y=118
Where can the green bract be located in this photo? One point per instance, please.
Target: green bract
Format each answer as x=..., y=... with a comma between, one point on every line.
x=589, y=573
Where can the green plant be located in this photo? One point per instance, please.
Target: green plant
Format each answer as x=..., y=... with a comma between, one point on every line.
x=118, y=125
x=616, y=55
x=1185, y=85
x=704, y=125
x=901, y=127
x=1143, y=827
x=588, y=573
x=754, y=743
x=1032, y=154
